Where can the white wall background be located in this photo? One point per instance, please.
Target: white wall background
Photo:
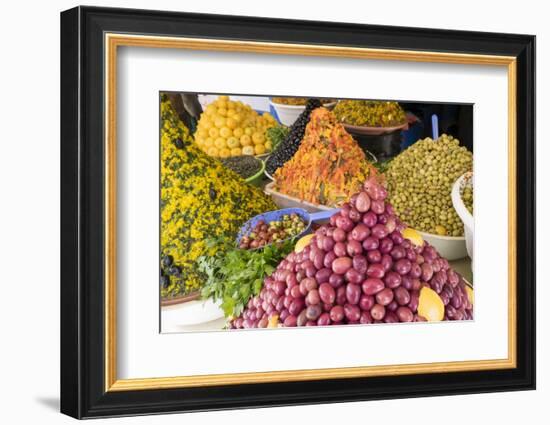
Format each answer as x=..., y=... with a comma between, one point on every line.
x=29, y=211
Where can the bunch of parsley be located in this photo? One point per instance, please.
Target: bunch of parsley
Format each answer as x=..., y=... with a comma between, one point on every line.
x=235, y=275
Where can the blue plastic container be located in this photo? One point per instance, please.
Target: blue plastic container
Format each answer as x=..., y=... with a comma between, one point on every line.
x=277, y=215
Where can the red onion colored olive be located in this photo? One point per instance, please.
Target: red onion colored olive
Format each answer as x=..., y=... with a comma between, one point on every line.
x=416, y=271
x=392, y=306
x=354, y=215
x=288, y=299
x=402, y=296
x=406, y=244
x=296, y=306
x=452, y=278
x=301, y=319
x=362, y=202
x=327, y=293
x=353, y=293
x=410, y=254
x=290, y=321
x=280, y=304
x=427, y=272
x=323, y=275
x=379, y=231
x=336, y=280
x=365, y=318
x=339, y=235
x=312, y=297
x=297, y=291
x=386, y=262
x=318, y=260
x=360, y=232
x=279, y=287
x=332, y=220
x=354, y=248
x=404, y=314
x=341, y=295
x=398, y=252
x=340, y=249
x=382, y=218
x=391, y=224
x=366, y=302
x=341, y=265
x=353, y=276
x=445, y=297
x=352, y=312
x=407, y=282
x=359, y=263
x=300, y=275
x=344, y=209
x=376, y=270
x=324, y=320
x=402, y=266
x=311, y=323
x=309, y=283
x=313, y=312
x=370, y=243
x=369, y=219
x=310, y=271
x=413, y=303
x=392, y=279
x=337, y=313
x=284, y=314
x=416, y=284
x=353, y=200
x=372, y=286
x=329, y=258
x=377, y=207
x=386, y=245
x=344, y=223
x=391, y=317
x=384, y=297
x=327, y=244
x=378, y=312
x=396, y=237
x=374, y=256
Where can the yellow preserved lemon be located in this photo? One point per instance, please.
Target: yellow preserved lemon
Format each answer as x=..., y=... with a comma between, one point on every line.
x=303, y=242
x=470, y=293
x=430, y=305
x=413, y=236
x=273, y=321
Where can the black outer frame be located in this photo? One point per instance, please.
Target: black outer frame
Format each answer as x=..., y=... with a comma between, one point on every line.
x=82, y=206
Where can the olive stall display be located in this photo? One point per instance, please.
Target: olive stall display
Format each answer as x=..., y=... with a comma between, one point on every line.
x=244, y=165
x=360, y=269
x=420, y=180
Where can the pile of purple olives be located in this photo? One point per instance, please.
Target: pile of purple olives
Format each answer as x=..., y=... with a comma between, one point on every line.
x=357, y=269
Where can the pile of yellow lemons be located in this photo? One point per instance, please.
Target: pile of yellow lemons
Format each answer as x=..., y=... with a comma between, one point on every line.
x=231, y=128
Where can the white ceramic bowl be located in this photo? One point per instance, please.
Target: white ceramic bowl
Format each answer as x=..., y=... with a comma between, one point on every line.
x=463, y=212
x=449, y=247
x=288, y=114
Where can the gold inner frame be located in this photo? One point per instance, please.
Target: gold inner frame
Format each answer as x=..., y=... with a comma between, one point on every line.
x=113, y=41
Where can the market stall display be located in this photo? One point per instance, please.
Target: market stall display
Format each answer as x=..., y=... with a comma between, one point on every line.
x=288, y=147
x=232, y=128
x=200, y=198
x=359, y=269
x=328, y=166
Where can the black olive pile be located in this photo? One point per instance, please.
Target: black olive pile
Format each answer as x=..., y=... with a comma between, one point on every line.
x=290, y=145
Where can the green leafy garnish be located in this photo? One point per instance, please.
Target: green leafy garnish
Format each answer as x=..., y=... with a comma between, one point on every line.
x=235, y=275
x=277, y=134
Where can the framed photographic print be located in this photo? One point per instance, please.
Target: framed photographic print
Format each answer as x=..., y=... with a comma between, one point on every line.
x=261, y=212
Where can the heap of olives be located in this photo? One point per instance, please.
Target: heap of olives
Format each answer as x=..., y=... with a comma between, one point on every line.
x=420, y=180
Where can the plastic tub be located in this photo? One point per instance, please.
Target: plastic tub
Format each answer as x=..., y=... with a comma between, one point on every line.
x=462, y=211
x=449, y=247
x=256, y=179
x=285, y=201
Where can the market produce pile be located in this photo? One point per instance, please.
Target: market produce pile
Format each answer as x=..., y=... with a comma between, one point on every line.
x=200, y=198
x=328, y=166
x=229, y=128
x=297, y=101
x=370, y=113
x=420, y=181
x=288, y=147
x=360, y=268
x=467, y=193
x=263, y=233
x=244, y=165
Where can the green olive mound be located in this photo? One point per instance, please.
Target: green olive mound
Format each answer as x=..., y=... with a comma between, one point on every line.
x=420, y=180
